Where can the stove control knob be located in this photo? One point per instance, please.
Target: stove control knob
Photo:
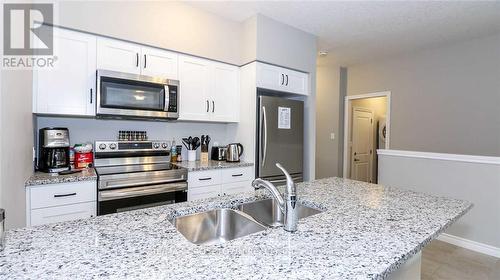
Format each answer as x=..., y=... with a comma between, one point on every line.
x=164, y=145
x=156, y=145
x=112, y=146
x=102, y=146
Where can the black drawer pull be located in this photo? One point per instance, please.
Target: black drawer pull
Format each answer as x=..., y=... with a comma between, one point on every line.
x=237, y=175
x=64, y=195
x=205, y=179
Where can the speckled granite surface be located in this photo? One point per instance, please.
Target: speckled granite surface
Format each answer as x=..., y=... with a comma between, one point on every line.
x=41, y=178
x=366, y=232
x=211, y=164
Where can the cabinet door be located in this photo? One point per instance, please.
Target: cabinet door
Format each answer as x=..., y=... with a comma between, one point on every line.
x=204, y=178
x=225, y=94
x=296, y=82
x=237, y=187
x=62, y=213
x=204, y=192
x=269, y=77
x=194, y=87
x=119, y=56
x=69, y=87
x=159, y=63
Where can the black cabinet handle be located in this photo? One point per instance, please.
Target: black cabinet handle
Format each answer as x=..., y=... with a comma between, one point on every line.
x=136, y=59
x=205, y=179
x=237, y=175
x=213, y=106
x=286, y=80
x=208, y=106
x=64, y=195
x=282, y=79
x=91, y=96
x=144, y=61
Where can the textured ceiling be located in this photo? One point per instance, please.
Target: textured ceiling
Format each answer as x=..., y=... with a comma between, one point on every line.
x=354, y=31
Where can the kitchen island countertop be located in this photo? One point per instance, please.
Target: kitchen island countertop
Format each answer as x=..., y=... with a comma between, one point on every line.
x=365, y=232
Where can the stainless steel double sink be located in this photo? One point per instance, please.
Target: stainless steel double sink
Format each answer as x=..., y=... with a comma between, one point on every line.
x=220, y=225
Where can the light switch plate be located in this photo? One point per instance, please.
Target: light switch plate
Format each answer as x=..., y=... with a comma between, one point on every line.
x=332, y=136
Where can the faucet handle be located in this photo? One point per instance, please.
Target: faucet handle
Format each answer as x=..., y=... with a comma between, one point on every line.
x=290, y=185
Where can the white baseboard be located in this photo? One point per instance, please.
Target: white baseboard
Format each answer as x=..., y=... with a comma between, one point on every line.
x=471, y=245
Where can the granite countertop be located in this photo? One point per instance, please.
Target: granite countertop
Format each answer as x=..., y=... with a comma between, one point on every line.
x=211, y=164
x=42, y=178
x=365, y=232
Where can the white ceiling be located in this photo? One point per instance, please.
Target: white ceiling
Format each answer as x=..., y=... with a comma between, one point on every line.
x=354, y=31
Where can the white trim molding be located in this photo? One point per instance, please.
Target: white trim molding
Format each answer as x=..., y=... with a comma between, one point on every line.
x=348, y=99
x=441, y=156
x=471, y=245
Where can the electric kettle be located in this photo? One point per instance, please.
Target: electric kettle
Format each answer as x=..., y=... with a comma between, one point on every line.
x=234, y=152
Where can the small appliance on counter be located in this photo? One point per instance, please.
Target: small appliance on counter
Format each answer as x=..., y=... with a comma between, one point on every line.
x=54, y=149
x=2, y=229
x=218, y=153
x=234, y=152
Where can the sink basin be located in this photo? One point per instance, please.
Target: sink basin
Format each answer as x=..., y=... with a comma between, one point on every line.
x=216, y=226
x=268, y=212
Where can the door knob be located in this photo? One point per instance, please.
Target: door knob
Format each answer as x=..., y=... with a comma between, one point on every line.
x=356, y=159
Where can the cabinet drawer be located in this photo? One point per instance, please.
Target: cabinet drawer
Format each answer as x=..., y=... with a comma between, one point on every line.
x=62, y=194
x=203, y=192
x=237, y=187
x=237, y=174
x=63, y=213
x=204, y=178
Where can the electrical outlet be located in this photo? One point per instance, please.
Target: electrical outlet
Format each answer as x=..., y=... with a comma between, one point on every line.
x=332, y=136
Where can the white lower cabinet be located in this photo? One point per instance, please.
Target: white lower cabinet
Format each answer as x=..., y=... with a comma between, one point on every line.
x=219, y=182
x=60, y=202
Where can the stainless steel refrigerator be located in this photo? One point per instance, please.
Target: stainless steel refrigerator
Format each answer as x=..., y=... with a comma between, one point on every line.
x=280, y=137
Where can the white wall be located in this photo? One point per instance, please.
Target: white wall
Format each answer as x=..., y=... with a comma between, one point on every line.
x=443, y=100
x=327, y=121
x=88, y=130
x=471, y=181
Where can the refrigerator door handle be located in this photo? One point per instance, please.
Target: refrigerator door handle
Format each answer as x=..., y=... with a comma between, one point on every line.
x=264, y=148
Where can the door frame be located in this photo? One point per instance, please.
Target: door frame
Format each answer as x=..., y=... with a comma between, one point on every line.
x=347, y=123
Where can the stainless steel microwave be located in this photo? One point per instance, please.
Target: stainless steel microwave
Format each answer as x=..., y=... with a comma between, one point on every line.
x=123, y=95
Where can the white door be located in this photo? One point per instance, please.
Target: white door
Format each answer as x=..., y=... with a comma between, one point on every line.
x=225, y=97
x=159, y=63
x=270, y=77
x=362, y=144
x=296, y=82
x=195, y=103
x=69, y=87
x=118, y=56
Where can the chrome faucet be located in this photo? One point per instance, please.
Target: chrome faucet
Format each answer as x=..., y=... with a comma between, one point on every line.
x=288, y=204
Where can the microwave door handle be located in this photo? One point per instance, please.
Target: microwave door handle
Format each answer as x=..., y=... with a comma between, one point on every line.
x=167, y=98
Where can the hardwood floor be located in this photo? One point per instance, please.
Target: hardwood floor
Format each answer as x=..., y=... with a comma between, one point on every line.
x=443, y=261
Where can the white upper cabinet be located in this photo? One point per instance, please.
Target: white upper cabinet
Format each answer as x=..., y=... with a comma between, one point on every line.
x=194, y=78
x=69, y=87
x=282, y=79
x=118, y=56
x=226, y=93
x=209, y=91
x=159, y=63
x=131, y=58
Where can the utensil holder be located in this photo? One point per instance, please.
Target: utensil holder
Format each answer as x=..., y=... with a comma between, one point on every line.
x=192, y=155
x=204, y=157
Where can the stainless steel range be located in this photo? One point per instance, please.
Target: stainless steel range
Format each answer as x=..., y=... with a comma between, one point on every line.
x=137, y=174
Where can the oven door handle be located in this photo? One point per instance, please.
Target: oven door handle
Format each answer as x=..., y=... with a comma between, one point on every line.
x=141, y=183
x=167, y=98
x=141, y=191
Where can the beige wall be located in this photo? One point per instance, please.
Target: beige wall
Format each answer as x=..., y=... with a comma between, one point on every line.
x=327, y=121
x=17, y=142
x=442, y=100
x=170, y=25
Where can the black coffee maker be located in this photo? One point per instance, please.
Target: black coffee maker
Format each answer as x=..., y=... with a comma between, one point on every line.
x=54, y=149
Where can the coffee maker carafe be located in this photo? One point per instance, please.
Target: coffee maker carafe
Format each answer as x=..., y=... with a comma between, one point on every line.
x=54, y=149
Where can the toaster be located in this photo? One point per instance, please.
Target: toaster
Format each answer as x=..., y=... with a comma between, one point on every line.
x=219, y=153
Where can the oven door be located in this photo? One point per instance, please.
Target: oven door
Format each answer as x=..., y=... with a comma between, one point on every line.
x=134, y=96
x=126, y=199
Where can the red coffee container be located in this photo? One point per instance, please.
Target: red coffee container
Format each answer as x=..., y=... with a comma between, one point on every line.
x=83, y=160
